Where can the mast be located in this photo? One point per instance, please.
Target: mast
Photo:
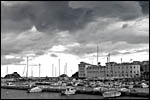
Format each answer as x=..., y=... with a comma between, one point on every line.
x=97, y=54
x=7, y=69
x=52, y=70
x=27, y=68
x=23, y=70
x=32, y=71
x=121, y=60
x=64, y=68
x=55, y=71
x=59, y=66
x=39, y=70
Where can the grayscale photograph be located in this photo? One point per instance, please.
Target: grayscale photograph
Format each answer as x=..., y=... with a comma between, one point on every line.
x=74, y=49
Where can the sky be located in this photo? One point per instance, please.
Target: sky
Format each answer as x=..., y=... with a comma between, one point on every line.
x=47, y=31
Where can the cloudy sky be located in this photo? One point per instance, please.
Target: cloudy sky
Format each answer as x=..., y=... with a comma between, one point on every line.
x=47, y=31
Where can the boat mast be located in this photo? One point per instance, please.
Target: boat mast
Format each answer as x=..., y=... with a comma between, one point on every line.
x=27, y=68
x=66, y=68
x=52, y=70
x=59, y=66
x=97, y=54
x=23, y=70
x=55, y=71
x=39, y=70
x=7, y=69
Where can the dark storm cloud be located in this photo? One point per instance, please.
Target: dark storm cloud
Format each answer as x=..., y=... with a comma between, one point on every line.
x=124, y=25
x=124, y=10
x=59, y=16
x=38, y=53
x=45, y=16
x=53, y=55
x=145, y=6
x=64, y=15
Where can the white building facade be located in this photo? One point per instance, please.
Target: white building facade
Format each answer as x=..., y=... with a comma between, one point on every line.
x=111, y=70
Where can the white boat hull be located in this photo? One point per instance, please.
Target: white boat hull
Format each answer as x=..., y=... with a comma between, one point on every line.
x=111, y=94
x=35, y=90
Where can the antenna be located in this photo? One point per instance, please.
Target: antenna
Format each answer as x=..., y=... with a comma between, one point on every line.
x=121, y=60
x=108, y=59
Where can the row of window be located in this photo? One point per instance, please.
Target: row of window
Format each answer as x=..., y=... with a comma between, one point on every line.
x=120, y=75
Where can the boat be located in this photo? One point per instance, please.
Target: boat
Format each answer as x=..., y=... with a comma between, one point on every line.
x=123, y=90
x=111, y=94
x=68, y=91
x=34, y=90
x=143, y=85
x=10, y=84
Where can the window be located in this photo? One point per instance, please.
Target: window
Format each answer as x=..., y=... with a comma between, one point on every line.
x=131, y=67
x=130, y=71
x=134, y=72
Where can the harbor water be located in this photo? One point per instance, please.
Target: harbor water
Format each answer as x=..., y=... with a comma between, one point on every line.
x=22, y=94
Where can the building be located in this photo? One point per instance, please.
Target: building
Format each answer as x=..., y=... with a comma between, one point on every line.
x=123, y=70
x=111, y=70
x=96, y=71
x=82, y=69
x=145, y=70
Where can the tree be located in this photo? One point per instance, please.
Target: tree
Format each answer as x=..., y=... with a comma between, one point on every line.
x=75, y=75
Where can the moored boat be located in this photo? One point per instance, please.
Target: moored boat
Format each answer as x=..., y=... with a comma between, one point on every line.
x=68, y=91
x=111, y=94
x=34, y=90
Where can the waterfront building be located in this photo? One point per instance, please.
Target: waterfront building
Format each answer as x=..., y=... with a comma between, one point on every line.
x=111, y=70
x=122, y=70
x=82, y=69
x=95, y=71
x=145, y=70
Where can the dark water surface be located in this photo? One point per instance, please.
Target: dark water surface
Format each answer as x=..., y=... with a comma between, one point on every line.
x=21, y=94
